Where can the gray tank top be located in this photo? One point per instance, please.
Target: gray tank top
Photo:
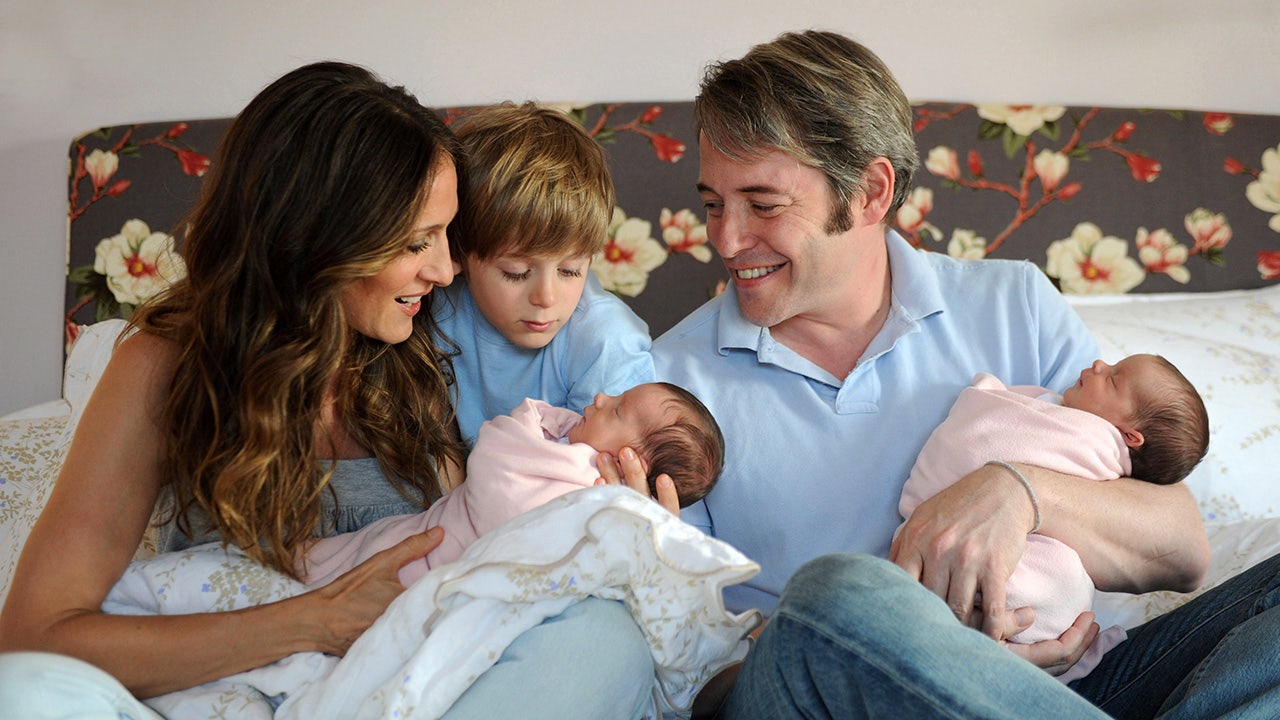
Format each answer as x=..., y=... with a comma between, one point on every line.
x=364, y=495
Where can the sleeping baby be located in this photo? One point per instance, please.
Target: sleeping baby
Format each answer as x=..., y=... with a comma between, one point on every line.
x=1138, y=418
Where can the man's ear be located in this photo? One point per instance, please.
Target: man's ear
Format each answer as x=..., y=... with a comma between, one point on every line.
x=1132, y=438
x=877, y=183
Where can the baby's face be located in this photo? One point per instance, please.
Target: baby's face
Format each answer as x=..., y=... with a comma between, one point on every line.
x=1114, y=392
x=528, y=299
x=611, y=423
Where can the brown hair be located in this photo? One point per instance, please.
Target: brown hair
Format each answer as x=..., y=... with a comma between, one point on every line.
x=821, y=98
x=690, y=450
x=536, y=184
x=1175, y=428
x=316, y=184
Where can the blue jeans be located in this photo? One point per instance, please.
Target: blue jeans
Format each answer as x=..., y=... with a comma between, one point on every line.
x=1218, y=655
x=855, y=637
x=559, y=669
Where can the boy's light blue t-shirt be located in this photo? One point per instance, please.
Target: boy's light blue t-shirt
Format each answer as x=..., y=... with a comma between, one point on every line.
x=603, y=348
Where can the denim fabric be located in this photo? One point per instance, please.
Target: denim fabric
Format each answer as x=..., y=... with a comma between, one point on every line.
x=559, y=669
x=1216, y=656
x=590, y=662
x=856, y=637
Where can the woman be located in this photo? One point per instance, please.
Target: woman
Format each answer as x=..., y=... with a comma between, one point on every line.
x=287, y=388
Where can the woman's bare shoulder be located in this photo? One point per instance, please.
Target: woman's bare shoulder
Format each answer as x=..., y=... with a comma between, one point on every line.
x=146, y=351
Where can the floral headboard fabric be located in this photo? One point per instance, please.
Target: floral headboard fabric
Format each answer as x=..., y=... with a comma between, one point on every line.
x=1105, y=200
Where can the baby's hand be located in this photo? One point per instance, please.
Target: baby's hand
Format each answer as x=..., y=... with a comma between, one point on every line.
x=1057, y=656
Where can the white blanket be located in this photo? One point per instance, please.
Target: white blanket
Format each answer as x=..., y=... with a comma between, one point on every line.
x=452, y=624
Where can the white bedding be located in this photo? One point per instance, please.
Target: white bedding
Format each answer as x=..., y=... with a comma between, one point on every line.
x=451, y=625
x=1227, y=343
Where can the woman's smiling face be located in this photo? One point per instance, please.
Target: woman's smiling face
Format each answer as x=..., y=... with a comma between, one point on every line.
x=382, y=306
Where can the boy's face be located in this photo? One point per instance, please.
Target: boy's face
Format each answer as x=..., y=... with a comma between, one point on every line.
x=1114, y=392
x=611, y=423
x=527, y=298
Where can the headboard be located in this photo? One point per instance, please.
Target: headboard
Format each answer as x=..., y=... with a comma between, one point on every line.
x=1106, y=200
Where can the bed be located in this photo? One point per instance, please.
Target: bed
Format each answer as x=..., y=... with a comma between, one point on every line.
x=1161, y=227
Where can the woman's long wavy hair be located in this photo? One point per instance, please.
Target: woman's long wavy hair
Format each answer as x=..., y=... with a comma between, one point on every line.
x=317, y=183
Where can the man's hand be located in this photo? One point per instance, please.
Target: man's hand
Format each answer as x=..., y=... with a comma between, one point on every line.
x=628, y=470
x=964, y=543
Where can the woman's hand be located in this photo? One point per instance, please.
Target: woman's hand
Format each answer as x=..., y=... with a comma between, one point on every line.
x=342, y=610
x=626, y=469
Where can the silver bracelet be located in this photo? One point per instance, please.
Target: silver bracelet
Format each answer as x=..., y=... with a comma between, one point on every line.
x=1035, y=504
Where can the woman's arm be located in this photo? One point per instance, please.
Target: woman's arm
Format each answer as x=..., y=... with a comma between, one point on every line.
x=95, y=517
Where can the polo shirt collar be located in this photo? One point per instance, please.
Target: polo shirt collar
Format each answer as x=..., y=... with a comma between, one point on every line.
x=914, y=289
x=733, y=330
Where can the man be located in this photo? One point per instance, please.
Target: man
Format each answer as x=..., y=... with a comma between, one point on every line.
x=831, y=357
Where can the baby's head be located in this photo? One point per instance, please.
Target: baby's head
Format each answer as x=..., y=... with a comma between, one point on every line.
x=536, y=199
x=1156, y=409
x=671, y=431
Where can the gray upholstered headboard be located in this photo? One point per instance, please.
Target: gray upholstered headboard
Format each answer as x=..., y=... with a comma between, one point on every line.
x=1106, y=199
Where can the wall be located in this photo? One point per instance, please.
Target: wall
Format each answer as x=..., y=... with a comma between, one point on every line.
x=69, y=66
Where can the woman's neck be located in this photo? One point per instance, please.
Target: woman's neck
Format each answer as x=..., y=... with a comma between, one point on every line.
x=333, y=442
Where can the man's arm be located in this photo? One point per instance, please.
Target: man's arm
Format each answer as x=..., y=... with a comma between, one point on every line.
x=1132, y=536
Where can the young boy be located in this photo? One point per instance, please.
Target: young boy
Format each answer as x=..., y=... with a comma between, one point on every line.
x=537, y=453
x=527, y=318
x=1139, y=418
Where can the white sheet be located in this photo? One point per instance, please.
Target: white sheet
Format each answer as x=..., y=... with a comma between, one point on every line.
x=451, y=625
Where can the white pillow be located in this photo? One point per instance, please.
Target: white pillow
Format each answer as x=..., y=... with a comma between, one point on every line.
x=88, y=358
x=47, y=409
x=1228, y=346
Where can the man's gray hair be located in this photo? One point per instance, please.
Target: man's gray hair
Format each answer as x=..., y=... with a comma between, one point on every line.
x=823, y=99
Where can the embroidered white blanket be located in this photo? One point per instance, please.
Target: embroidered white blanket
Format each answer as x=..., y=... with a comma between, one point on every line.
x=452, y=624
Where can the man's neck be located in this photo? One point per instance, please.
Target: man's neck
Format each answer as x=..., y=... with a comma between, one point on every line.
x=836, y=338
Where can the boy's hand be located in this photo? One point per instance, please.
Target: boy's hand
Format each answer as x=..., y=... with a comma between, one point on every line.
x=627, y=470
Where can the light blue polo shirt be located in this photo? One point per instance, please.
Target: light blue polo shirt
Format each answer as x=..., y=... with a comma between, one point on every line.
x=603, y=348
x=815, y=464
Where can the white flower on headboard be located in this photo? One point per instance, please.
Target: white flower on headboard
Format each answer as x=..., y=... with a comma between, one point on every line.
x=1089, y=263
x=912, y=214
x=623, y=266
x=966, y=243
x=1161, y=253
x=942, y=161
x=1022, y=119
x=101, y=165
x=682, y=231
x=138, y=263
x=1051, y=167
x=1264, y=192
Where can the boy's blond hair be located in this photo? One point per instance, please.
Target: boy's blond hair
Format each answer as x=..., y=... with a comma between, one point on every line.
x=535, y=184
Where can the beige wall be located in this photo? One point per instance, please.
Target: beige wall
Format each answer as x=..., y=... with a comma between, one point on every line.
x=69, y=66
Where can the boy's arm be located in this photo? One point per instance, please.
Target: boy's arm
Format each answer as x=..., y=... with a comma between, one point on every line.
x=605, y=349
